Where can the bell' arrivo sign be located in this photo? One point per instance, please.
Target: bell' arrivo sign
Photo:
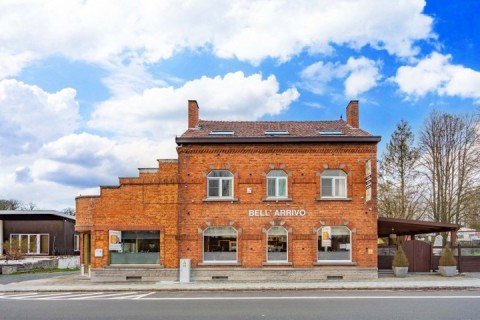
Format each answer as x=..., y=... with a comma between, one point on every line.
x=277, y=213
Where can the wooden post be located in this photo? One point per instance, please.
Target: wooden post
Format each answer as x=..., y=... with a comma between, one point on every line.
x=453, y=238
x=459, y=258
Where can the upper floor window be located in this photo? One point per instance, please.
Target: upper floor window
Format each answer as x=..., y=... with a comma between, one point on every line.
x=277, y=184
x=334, y=184
x=220, y=184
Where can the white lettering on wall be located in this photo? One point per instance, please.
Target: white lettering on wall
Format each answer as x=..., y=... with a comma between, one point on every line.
x=278, y=213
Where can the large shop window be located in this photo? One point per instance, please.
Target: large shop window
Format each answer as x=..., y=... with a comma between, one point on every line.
x=277, y=244
x=137, y=247
x=220, y=184
x=220, y=244
x=31, y=243
x=277, y=184
x=334, y=244
x=334, y=184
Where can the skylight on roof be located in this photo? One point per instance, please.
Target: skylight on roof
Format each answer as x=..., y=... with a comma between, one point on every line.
x=276, y=132
x=222, y=133
x=330, y=133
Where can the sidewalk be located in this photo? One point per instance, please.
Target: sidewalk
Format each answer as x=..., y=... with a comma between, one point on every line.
x=76, y=282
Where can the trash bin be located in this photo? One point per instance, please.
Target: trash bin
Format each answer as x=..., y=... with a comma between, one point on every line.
x=184, y=270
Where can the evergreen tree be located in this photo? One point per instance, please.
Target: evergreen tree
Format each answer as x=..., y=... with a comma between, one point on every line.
x=399, y=191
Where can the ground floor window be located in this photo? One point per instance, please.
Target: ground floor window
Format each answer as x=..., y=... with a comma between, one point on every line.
x=277, y=244
x=31, y=243
x=220, y=244
x=334, y=244
x=137, y=247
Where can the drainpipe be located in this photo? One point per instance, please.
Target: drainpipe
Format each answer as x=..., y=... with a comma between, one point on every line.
x=1, y=237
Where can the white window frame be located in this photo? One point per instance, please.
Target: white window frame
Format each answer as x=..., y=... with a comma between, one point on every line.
x=19, y=235
x=76, y=242
x=266, y=247
x=325, y=175
x=219, y=261
x=277, y=182
x=220, y=185
x=334, y=261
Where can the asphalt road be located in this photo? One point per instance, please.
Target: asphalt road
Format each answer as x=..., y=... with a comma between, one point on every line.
x=243, y=305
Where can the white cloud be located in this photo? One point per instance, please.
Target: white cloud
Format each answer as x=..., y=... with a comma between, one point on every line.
x=359, y=75
x=161, y=112
x=109, y=31
x=436, y=74
x=45, y=150
x=29, y=116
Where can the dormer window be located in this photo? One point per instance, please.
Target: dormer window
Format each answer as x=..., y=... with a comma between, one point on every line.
x=220, y=184
x=276, y=132
x=222, y=133
x=330, y=133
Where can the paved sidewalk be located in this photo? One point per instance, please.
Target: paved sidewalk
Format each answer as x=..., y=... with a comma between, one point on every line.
x=75, y=282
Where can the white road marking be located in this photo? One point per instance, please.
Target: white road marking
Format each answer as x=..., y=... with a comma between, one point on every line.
x=146, y=296
x=143, y=295
x=69, y=296
x=39, y=296
x=104, y=296
x=310, y=298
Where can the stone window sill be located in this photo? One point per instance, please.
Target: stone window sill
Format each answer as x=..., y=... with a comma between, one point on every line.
x=333, y=199
x=334, y=263
x=277, y=199
x=277, y=264
x=219, y=264
x=232, y=200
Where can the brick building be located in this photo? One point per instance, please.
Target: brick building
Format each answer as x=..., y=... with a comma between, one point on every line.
x=244, y=200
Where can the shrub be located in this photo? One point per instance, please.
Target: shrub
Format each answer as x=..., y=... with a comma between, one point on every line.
x=446, y=258
x=13, y=251
x=400, y=259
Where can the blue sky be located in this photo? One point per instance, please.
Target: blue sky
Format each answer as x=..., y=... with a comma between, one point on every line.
x=87, y=96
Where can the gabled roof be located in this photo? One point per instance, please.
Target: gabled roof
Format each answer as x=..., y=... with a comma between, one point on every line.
x=19, y=213
x=258, y=131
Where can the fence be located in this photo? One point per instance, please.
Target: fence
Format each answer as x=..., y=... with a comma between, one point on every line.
x=467, y=256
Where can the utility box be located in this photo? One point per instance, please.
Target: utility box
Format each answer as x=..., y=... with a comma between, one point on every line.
x=184, y=270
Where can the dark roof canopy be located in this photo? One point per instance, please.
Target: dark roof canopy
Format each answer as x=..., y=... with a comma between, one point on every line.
x=33, y=214
x=401, y=227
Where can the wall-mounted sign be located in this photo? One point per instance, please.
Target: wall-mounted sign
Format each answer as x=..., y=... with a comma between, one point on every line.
x=326, y=236
x=114, y=240
x=98, y=253
x=277, y=213
x=368, y=180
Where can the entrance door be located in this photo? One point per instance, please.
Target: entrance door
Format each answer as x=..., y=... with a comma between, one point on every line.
x=419, y=255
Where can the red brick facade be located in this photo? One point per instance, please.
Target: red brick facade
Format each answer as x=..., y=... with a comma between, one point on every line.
x=174, y=200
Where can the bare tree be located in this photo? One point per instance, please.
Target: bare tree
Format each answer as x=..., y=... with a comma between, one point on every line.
x=69, y=211
x=10, y=204
x=29, y=206
x=450, y=161
x=400, y=191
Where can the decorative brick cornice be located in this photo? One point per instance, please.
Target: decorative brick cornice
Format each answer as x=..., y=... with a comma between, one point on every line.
x=343, y=149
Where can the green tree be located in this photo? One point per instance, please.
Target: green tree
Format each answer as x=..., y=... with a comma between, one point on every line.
x=399, y=190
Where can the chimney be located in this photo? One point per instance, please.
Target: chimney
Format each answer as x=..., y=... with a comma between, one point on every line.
x=352, y=113
x=192, y=114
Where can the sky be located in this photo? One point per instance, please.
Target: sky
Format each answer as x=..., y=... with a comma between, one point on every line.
x=93, y=90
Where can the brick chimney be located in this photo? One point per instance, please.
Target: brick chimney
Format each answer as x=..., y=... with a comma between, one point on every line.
x=352, y=113
x=192, y=114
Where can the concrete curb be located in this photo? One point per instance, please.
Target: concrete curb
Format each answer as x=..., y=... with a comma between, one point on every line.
x=242, y=288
